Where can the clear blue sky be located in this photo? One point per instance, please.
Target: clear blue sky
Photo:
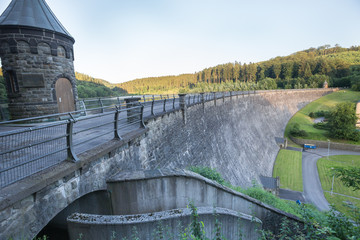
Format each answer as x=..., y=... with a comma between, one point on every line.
x=120, y=40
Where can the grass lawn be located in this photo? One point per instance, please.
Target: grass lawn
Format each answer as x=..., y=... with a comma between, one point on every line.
x=324, y=166
x=289, y=168
x=325, y=103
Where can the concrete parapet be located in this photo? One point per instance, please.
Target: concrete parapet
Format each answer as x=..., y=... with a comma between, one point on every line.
x=168, y=224
x=149, y=191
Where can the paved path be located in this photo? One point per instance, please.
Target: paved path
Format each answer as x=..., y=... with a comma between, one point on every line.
x=291, y=195
x=313, y=191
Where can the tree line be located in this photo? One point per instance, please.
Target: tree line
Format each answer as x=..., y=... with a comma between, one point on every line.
x=309, y=68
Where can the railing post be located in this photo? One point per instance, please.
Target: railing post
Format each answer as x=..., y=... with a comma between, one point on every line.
x=202, y=99
x=164, y=109
x=84, y=106
x=173, y=102
x=142, y=124
x=230, y=95
x=116, y=124
x=69, y=140
x=119, y=101
x=152, y=106
x=189, y=99
x=101, y=105
x=132, y=113
x=183, y=107
x=223, y=96
x=214, y=98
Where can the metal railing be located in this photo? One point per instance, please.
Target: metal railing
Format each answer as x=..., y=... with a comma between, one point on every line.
x=29, y=150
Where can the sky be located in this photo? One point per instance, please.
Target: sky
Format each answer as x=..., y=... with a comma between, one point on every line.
x=121, y=40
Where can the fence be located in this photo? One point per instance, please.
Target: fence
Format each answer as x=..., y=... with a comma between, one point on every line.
x=55, y=138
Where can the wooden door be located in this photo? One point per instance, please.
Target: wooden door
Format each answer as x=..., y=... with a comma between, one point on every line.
x=64, y=95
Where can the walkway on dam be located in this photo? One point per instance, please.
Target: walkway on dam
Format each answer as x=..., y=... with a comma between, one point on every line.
x=28, y=148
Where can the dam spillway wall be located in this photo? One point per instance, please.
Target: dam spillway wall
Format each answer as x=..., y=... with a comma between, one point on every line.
x=236, y=135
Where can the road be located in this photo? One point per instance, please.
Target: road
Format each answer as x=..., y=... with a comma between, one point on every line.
x=313, y=192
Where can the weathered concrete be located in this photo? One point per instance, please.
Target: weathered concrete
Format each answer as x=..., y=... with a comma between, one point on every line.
x=158, y=190
x=237, y=137
x=168, y=224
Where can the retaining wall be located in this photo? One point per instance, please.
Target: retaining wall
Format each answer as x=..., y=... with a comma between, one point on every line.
x=136, y=194
x=163, y=225
x=323, y=144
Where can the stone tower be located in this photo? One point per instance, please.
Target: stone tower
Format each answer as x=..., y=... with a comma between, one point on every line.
x=37, y=60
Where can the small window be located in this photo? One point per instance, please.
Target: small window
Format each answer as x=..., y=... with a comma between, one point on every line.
x=61, y=52
x=12, y=83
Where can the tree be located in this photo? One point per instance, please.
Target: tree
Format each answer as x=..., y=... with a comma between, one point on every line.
x=350, y=177
x=342, y=122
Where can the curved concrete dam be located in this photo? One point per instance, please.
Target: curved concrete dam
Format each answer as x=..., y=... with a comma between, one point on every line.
x=236, y=135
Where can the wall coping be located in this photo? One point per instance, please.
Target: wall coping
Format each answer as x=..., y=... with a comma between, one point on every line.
x=32, y=184
x=166, y=173
x=324, y=144
x=93, y=219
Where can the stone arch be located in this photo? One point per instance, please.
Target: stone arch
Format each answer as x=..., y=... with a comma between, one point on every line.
x=95, y=202
x=23, y=47
x=72, y=81
x=44, y=48
x=61, y=51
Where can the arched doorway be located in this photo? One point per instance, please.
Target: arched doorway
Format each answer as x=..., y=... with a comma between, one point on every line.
x=64, y=95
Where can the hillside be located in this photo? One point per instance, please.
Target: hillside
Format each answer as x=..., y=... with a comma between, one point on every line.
x=303, y=69
x=88, y=87
x=309, y=68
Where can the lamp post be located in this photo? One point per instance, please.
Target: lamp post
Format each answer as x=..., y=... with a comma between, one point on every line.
x=332, y=184
x=328, y=149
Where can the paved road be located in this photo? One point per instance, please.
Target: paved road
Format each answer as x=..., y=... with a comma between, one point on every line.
x=313, y=192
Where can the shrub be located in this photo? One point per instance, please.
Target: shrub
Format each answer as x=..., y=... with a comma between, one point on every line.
x=296, y=132
x=208, y=173
x=321, y=125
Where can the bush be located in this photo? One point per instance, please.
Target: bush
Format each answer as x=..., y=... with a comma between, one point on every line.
x=321, y=125
x=208, y=173
x=296, y=132
x=319, y=114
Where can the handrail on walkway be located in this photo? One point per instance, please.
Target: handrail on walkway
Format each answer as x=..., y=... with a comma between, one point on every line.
x=29, y=150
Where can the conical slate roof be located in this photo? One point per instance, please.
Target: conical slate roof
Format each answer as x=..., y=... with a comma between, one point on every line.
x=31, y=13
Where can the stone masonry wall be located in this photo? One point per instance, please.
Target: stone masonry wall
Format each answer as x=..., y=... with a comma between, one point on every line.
x=234, y=136
x=37, y=59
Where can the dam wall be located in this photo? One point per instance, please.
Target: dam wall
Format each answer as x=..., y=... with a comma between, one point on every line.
x=235, y=135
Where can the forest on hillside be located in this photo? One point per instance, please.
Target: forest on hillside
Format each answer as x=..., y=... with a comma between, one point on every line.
x=310, y=68
x=304, y=69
